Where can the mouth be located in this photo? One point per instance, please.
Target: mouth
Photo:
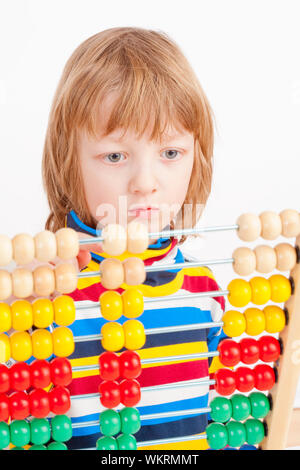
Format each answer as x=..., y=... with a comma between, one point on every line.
x=143, y=212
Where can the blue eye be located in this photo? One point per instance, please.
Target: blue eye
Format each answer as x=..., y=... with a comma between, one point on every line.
x=171, y=154
x=111, y=157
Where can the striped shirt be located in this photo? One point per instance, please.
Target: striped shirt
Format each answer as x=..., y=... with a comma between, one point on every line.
x=156, y=314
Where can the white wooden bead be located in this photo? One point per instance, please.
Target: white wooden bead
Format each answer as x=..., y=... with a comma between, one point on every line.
x=114, y=239
x=67, y=243
x=290, y=223
x=271, y=225
x=266, y=258
x=249, y=227
x=112, y=273
x=244, y=261
x=6, y=250
x=45, y=246
x=22, y=283
x=23, y=248
x=137, y=237
x=5, y=285
x=286, y=256
x=134, y=271
x=65, y=278
x=43, y=281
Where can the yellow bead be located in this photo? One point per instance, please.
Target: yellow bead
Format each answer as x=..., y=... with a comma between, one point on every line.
x=21, y=346
x=64, y=310
x=43, y=314
x=113, y=338
x=21, y=313
x=239, y=292
x=111, y=305
x=261, y=290
x=5, y=317
x=133, y=303
x=134, y=332
x=63, y=341
x=234, y=323
x=275, y=319
x=255, y=321
x=280, y=288
x=5, y=350
x=42, y=346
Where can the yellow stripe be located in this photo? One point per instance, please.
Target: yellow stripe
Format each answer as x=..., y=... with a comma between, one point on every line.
x=199, y=444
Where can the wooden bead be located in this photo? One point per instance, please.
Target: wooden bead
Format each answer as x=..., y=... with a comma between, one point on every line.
x=112, y=273
x=45, y=246
x=43, y=281
x=65, y=278
x=271, y=225
x=286, y=256
x=244, y=261
x=23, y=248
x=6, y=250
x=5, y=285
x=22, y=282
x=137, y=237
x=134, y=271
x=266, y=258
x=290, y=220
x=114, y=239
x=67, y=243
x=249, y=227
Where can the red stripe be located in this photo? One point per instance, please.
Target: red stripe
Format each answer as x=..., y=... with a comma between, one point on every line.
x=149, y=377
x=202, y=284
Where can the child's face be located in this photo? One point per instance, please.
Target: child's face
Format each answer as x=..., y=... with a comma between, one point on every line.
x=119, y=174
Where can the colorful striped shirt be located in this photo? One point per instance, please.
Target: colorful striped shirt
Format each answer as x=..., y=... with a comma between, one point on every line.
x=156, y=314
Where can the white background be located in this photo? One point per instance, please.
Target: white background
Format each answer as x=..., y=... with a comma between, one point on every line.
x=246, y=55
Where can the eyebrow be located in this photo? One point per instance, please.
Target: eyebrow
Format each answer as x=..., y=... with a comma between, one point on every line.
x=166, y=138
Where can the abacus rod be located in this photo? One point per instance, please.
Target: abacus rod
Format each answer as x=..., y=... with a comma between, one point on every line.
x=150, y=331
x=170, y=233
x=158, y=360
x=172, y=439
x=165, y=267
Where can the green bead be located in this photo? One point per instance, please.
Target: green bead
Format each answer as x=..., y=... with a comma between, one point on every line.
x=126, y=442
x=17, y=448
x=38, y=447
x=236, y=433
x=260, y=405
x=61, y=426
x=130, y=420
x=40, y=431
x=255, y=431
x=106, y=443
x=57, y=446
x=19, y=433
x=217, y=436
x=241, y=407
x=110, y=422
x=4, y=435
x=221, y=409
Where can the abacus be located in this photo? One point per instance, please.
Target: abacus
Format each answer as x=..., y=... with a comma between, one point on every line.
x=29, y=392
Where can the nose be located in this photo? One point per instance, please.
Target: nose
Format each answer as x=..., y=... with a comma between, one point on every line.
x=143, y=180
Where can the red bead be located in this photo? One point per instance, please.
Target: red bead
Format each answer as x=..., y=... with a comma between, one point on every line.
x=130, y=365
x=19, y=405
x=249, y=350
x=4, y=407
x=230, y=352
x=109, y=367
x=225, y=381
x=40, y=373
x=264, y=377
x=109, y=393
x=20, y=376
x=269, y=349
x=59, y=399
x=245, y=379
x=4, y=379
x=130, y=392
x=61, y=371
x=39, y=403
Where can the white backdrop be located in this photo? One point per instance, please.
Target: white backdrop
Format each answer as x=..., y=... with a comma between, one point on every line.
x=246, y=55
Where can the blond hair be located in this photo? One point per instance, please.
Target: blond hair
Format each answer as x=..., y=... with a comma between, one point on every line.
x=149, y=72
